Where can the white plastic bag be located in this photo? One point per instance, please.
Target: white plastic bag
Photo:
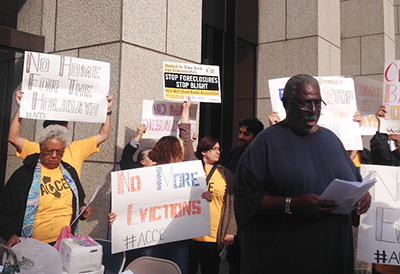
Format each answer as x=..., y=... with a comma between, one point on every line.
x=9, y=262
x=37, y=257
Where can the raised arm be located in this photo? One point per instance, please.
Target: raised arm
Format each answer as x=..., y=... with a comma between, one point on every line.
x=273, y=118
x=105, y=128
x=184, y=131
x=131, y=148
x=186, y=111
x=358, y=118
x=380, y=114
x=14, y=134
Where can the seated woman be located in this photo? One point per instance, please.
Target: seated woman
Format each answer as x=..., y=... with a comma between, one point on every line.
x=43, y=195
x=220, y=187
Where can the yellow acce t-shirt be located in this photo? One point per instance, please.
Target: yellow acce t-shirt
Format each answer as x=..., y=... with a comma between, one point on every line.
x=55, y=206
x=217, y=187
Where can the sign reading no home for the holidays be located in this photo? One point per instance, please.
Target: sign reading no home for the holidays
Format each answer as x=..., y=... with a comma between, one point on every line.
x=64, y=88
x=200, y=82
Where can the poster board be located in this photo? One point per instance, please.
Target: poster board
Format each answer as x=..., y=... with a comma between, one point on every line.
x=391, y=98
x=201, y=82
x=64, y=88
x=158, y=204
x=338, y=93
x=379, y=230
x=369, y=98
x=162, y=118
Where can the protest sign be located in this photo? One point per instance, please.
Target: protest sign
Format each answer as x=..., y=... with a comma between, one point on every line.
x=379, y=230
x=201, y=82
x=162, y=118
x=369, y=98
x=64, y=88
x=158, y=204
x=391, y=98
x=338, y=94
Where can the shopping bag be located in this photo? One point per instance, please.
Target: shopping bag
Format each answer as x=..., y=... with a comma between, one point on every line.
x=64, y=233
x=37, y=257
x=8, y=261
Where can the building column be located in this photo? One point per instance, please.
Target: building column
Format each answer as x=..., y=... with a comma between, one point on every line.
x=296, y=37
x=368, y=36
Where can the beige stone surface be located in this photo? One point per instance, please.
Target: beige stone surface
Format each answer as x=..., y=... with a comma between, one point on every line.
x=372, y=54
x=397, y=47
x=390, y=49
x=302, y=19
x=107, y=53
x=144, y=28
x=396, y=20
x=272, y=21
x=141, y=78
x=351, y=56
x=285, y=59
x=389, y=19
x=328, y=58
x=329, y=21
x=30, y=17
x=184, y=28
x=353, y=16
x=263, y=110
x=49, y=24
x=86, y=23
x=94, y=174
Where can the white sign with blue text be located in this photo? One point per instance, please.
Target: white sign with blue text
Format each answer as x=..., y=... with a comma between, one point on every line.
x=339, y=95
x=379, y=230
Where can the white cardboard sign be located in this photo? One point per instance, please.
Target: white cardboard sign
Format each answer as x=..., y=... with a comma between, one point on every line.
x=391, y=98
x=379, y=230
x=338, y=94
x=162, y=118
x=200, y=82
x=158, y=204
x=64, y=88
x=369, y=98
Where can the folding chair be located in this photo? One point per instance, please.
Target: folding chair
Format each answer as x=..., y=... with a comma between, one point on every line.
x=145, y=265
x=113, y=263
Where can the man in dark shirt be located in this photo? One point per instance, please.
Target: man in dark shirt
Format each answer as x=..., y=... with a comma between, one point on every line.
x=248, y=130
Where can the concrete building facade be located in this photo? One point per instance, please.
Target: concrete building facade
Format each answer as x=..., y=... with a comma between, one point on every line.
x=261, y=40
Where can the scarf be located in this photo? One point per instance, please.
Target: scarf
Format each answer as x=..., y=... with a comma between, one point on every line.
x=34, y=195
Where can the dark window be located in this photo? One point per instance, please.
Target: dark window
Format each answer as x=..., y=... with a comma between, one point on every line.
x=230, y=34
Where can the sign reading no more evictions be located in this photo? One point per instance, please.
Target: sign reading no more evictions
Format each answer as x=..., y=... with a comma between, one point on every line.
x=158, y=204
x=64, y=88
x=200, y=82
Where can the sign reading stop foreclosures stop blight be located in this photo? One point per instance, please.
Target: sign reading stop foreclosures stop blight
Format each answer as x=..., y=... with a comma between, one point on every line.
x=200, y=82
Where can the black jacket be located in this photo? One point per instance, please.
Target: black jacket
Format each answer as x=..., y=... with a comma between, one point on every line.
x=15, y=194
x=380, y=152
x=126, y=159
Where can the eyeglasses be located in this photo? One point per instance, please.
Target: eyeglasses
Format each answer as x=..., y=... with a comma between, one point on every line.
x=51, y=152
x=216, y=148
x=308, y=106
